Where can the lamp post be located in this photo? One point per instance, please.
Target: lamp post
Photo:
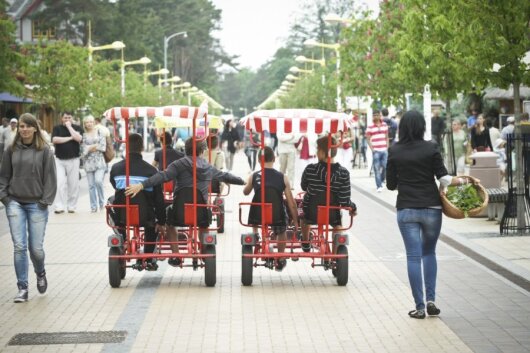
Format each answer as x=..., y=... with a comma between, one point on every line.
x=334, y=18
x=291, y=77
x=166, y=80
x=334, y=46
x=115, y=45
x=296, y=70
x=190, y=91
x=184, y=34
x=143, y=61
x=303, y=59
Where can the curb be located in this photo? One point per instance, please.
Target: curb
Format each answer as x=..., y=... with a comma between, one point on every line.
x=505, y=268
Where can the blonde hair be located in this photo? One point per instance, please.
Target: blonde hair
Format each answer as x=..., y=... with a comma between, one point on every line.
x=38, y=139
x=89, y=118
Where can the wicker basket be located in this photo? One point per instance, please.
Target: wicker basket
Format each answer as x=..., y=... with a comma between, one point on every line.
x=452, y=212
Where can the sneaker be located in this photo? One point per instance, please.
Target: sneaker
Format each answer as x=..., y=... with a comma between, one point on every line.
x=281, y=265
x=94, y=210
x=59, y=211
x=379, y=189
x=432, y=310
x=306, y=247
x=42, y=283
x=71, y=211
x=22, y=296
x=417, y=314
x=175, y=262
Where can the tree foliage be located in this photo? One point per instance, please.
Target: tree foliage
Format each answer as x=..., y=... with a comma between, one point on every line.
x=11, y=61
x=59, y=72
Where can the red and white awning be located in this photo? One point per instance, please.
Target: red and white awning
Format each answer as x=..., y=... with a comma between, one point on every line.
x=174, y=111
x=296, y=121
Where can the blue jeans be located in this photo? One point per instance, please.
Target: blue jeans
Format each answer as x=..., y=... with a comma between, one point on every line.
x=95, y=188
x=27, y=224
x=380, y=158
x=420, y=229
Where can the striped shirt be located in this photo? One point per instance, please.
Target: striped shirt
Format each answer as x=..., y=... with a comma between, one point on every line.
x=378, y=136
x=314, y=181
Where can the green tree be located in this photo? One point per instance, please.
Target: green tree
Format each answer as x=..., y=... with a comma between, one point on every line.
x=11, y=61
x=59, y=71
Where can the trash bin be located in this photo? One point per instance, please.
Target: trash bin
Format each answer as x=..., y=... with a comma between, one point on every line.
x=484, y=167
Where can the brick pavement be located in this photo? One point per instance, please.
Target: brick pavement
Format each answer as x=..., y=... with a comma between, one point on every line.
x=300, y=309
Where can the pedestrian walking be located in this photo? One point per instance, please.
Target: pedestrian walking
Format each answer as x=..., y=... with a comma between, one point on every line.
x=377, y=138
x=93, y=146
x=459, y=146
x=3, y=126
x=231, y=136
x=28, y=184
x=66, y=138
x=413, y=164
x=480, y=136
x=287, y=153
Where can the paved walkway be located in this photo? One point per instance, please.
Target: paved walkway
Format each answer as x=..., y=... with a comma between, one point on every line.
x=299, y=309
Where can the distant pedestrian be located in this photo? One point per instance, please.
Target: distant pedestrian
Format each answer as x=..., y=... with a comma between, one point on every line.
x=459, y=146
x=392, y=125
x=3, y=126
x=480, y=136
x=508, y=129
x=67, y=140
x=413, y=164
x=9, y=133
x=231, y=136
x=437, y=127
x=377, y=138
x=28, y=184
x=287, y=153
x=94, y=144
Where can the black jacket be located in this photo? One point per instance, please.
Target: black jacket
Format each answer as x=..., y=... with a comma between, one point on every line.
x=150, y=200
x=411, y=169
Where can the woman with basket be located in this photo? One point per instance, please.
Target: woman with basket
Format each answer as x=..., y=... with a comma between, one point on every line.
x=413, y=165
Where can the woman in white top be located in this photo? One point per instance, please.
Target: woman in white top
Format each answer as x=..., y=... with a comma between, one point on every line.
x=93, y=146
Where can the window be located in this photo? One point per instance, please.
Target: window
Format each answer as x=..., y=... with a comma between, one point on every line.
x=41, y=30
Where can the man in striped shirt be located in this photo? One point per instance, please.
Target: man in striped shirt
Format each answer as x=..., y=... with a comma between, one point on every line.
x=377, y=137
x=314, y=182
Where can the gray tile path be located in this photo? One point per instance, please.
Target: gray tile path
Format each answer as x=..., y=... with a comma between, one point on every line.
x=300, y=309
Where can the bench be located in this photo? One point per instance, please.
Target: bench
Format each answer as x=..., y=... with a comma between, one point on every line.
x=497, y=201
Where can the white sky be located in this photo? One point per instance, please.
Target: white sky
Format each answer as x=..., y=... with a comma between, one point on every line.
x=254, y=29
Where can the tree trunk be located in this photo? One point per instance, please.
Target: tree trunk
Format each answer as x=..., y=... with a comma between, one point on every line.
x=519, y=174
x=450, y=151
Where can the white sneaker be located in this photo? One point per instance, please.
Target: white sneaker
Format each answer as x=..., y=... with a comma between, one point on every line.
x=379, y=189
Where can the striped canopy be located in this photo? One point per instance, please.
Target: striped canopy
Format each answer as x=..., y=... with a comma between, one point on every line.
x=166, y=122
x=172, y=111
x=296, y=121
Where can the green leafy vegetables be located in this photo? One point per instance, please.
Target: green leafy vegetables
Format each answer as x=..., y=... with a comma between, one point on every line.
x=464, y=197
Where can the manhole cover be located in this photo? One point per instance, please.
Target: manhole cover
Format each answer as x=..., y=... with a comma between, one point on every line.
x=45, y=338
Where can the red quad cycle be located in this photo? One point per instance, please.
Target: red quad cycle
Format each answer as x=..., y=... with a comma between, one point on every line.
x=195, y=250
x=259, y=251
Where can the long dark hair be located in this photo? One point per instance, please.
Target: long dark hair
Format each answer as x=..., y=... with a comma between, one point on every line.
x=38, y=139
x=411, y=127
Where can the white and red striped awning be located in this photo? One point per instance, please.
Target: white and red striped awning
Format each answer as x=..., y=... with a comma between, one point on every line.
x=175, y=111
x=296, y=121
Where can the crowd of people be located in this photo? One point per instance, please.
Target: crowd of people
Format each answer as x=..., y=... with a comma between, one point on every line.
x=39, y=171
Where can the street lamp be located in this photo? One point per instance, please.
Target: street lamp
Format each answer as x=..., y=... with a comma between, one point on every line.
x=303, y=59
x=143, y=61
x=287, y=83
x=115, y=45
x=292, y=77
x=296, y=70
x=334, y=46
x=334, y=18
x=190, y=91
x=184, y=34
x=166, y=80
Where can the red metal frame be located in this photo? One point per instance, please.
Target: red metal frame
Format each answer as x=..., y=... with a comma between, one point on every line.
x=262, y=248
x=134, y=235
